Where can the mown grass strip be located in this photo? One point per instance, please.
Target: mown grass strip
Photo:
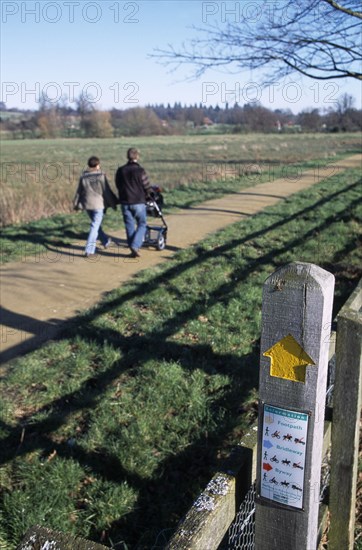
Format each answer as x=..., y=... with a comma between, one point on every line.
x=111, y=431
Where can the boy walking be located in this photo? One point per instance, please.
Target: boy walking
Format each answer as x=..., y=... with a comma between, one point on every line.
x=94, y=195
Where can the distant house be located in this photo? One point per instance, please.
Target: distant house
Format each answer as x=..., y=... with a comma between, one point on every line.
x=206, y=121
x=291, y=127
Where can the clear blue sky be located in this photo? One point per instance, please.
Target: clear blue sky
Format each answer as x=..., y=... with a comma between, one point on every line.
x=64, y=47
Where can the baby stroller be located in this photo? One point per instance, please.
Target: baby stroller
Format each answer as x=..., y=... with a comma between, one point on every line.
x=156, y=235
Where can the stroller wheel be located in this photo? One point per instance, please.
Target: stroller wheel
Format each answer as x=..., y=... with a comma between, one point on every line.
x=161, y=242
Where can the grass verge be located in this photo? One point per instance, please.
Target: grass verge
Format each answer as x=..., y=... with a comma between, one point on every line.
x=111, y=431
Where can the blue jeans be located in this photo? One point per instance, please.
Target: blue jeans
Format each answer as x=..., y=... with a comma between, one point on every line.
x=95, y=231
x=135, y=220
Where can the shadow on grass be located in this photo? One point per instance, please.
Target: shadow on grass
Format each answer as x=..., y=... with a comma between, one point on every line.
x=179, y=475
x=182, y=474
x=34, y=233
x=47, y=330
x=57, y=234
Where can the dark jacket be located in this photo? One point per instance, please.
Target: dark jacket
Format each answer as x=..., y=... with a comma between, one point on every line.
x=132, y=183
x=94, y=192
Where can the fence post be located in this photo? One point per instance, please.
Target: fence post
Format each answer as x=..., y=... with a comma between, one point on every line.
x=296, y=324
x=346, y=421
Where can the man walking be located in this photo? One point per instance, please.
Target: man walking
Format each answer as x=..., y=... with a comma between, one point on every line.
x=133, y=187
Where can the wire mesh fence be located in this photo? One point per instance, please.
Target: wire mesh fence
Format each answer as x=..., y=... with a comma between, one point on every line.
x=241, y=532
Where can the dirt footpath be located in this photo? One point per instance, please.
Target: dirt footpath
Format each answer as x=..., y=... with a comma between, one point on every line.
x=43, y=290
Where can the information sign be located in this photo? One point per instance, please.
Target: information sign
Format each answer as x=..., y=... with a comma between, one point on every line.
x=283, y=455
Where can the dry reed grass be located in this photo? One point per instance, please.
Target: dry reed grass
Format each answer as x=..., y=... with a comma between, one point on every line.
x=39, y=177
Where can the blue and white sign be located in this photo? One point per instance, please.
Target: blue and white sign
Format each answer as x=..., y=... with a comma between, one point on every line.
x=283, y=455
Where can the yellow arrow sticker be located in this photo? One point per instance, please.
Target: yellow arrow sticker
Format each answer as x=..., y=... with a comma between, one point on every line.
x=288, y=360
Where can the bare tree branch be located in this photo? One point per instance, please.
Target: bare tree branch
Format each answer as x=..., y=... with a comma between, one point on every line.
x=337, y=6
x=317, y=39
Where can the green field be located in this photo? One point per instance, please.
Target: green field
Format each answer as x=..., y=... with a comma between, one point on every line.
x=112, y=431
x=38, y=177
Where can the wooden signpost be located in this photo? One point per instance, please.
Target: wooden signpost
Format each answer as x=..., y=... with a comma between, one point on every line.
x=296, y=324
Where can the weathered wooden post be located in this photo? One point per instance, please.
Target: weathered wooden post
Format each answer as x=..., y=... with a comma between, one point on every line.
x=296, y=323
x=347, y=400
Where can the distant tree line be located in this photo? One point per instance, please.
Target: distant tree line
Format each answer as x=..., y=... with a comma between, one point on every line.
x=84, y=120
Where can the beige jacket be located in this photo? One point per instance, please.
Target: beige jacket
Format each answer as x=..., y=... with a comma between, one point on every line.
x=94, y=192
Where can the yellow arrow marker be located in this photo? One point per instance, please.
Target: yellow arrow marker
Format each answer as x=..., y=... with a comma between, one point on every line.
x=288, y=360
